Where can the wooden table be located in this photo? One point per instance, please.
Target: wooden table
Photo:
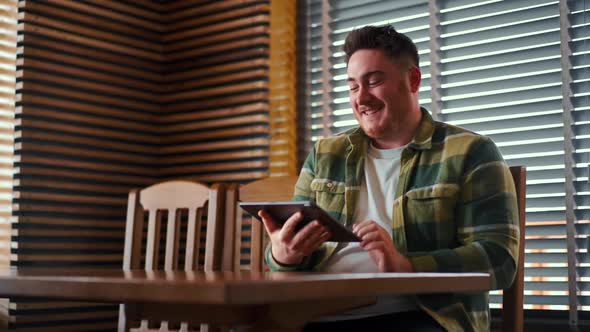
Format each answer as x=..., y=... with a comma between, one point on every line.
x=269, y=301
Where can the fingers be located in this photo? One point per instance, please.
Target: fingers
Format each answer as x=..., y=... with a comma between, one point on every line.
x=366, y=227
x=374, y=245
x=308, y=236
x=290, y=245
x=270, y=225
x=314, y=245
x=288, y=231
x=370, y=237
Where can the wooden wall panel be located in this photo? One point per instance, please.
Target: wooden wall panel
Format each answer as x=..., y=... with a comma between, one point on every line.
x=88, y=96
x=8, y=24
x=215, y=121
x=8, y=27
x=113, y=95
x=283, y=73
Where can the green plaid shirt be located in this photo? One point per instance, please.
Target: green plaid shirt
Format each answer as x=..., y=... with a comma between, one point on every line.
x=455, y=210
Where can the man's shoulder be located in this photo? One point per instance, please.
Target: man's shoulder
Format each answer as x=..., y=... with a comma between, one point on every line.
x=445, y=133
x=458, y=141
x=336, y=143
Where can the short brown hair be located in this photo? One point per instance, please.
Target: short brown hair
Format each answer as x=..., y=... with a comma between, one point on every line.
x=399, y=47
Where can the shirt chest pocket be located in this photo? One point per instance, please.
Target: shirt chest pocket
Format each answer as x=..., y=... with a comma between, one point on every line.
x=328, y=194
x=430, y=217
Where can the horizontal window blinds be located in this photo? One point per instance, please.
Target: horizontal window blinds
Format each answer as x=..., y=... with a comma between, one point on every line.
x=410, y=17
x=579, y=42
x=498, y=71
x=501, y=77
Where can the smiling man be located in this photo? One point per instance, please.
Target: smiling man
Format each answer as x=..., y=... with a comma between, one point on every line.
x=422, y=195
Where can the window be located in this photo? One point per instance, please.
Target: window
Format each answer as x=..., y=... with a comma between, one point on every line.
x=516, y=71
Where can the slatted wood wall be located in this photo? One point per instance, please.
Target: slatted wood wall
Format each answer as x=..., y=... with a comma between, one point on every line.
x=8, y=22
x=8, y=17
x=283, y=85
x=215, y=121
x=113, y=95
x=88, y=87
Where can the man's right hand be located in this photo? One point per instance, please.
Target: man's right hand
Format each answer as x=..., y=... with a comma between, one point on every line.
x=289, y=246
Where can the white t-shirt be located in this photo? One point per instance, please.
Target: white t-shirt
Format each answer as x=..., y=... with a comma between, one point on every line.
x=376, y=197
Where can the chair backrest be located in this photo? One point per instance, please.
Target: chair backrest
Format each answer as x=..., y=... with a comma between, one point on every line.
x=183, y=202
x=512, y=298
x=173, y=197
x=239, y=226
x=176, y=198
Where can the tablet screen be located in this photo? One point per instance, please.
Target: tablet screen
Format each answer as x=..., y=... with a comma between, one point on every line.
x=281, y=211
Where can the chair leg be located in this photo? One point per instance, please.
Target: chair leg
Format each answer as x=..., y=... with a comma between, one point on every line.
x=210, y=328
x=123, y=325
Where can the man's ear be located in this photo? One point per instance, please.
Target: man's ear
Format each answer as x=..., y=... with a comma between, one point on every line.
x=415, y=76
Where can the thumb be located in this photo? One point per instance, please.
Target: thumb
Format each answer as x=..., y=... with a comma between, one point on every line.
x=269, y=223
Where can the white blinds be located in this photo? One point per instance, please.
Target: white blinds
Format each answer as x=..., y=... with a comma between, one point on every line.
x=501, y=75
x=579, y=35
x=408, y=16
x=498, y=72
x=7, y=93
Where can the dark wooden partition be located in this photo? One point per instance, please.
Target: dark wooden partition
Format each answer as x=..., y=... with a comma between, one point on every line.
x=88, y=88
x=119, y=94
x=8, y=27
x=215, y=121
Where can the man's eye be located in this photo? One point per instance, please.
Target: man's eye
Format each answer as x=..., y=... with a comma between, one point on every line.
x=374, y=83
x=353, y=87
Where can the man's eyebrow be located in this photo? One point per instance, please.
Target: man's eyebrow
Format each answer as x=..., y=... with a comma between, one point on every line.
x=367, y=74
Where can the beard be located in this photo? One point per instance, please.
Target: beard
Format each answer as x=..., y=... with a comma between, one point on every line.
x=374, y=119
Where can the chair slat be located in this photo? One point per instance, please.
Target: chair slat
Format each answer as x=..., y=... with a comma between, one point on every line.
x=229, y=239
x=133, y=233
x=236, y=252
x=152, y=246
x=172, y=237
x=198, y=237
x=192, y=241
x=215, y=228
x=257, y=238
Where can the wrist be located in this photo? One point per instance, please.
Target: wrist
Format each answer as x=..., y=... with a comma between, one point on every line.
x=404, y=264
x=282, y=258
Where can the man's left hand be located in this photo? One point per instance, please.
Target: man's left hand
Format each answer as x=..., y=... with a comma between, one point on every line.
x=379, y=244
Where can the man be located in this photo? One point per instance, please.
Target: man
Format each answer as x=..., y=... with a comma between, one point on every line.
x=422, y=195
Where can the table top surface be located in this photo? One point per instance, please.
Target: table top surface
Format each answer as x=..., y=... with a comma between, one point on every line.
x=118, y=286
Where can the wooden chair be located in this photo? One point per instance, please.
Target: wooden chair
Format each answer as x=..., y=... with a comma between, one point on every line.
x=512, y=299
x=183, y=200
x=281, y=189
x=237, y=227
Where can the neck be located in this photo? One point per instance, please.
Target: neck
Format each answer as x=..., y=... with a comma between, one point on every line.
x=402, y=136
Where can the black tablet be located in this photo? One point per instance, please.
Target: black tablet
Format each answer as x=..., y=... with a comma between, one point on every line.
x=281, y=211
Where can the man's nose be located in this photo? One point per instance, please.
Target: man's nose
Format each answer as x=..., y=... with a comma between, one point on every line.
x=364, y=96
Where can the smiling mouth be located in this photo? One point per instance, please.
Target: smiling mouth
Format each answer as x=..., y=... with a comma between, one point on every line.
x=370, y=112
